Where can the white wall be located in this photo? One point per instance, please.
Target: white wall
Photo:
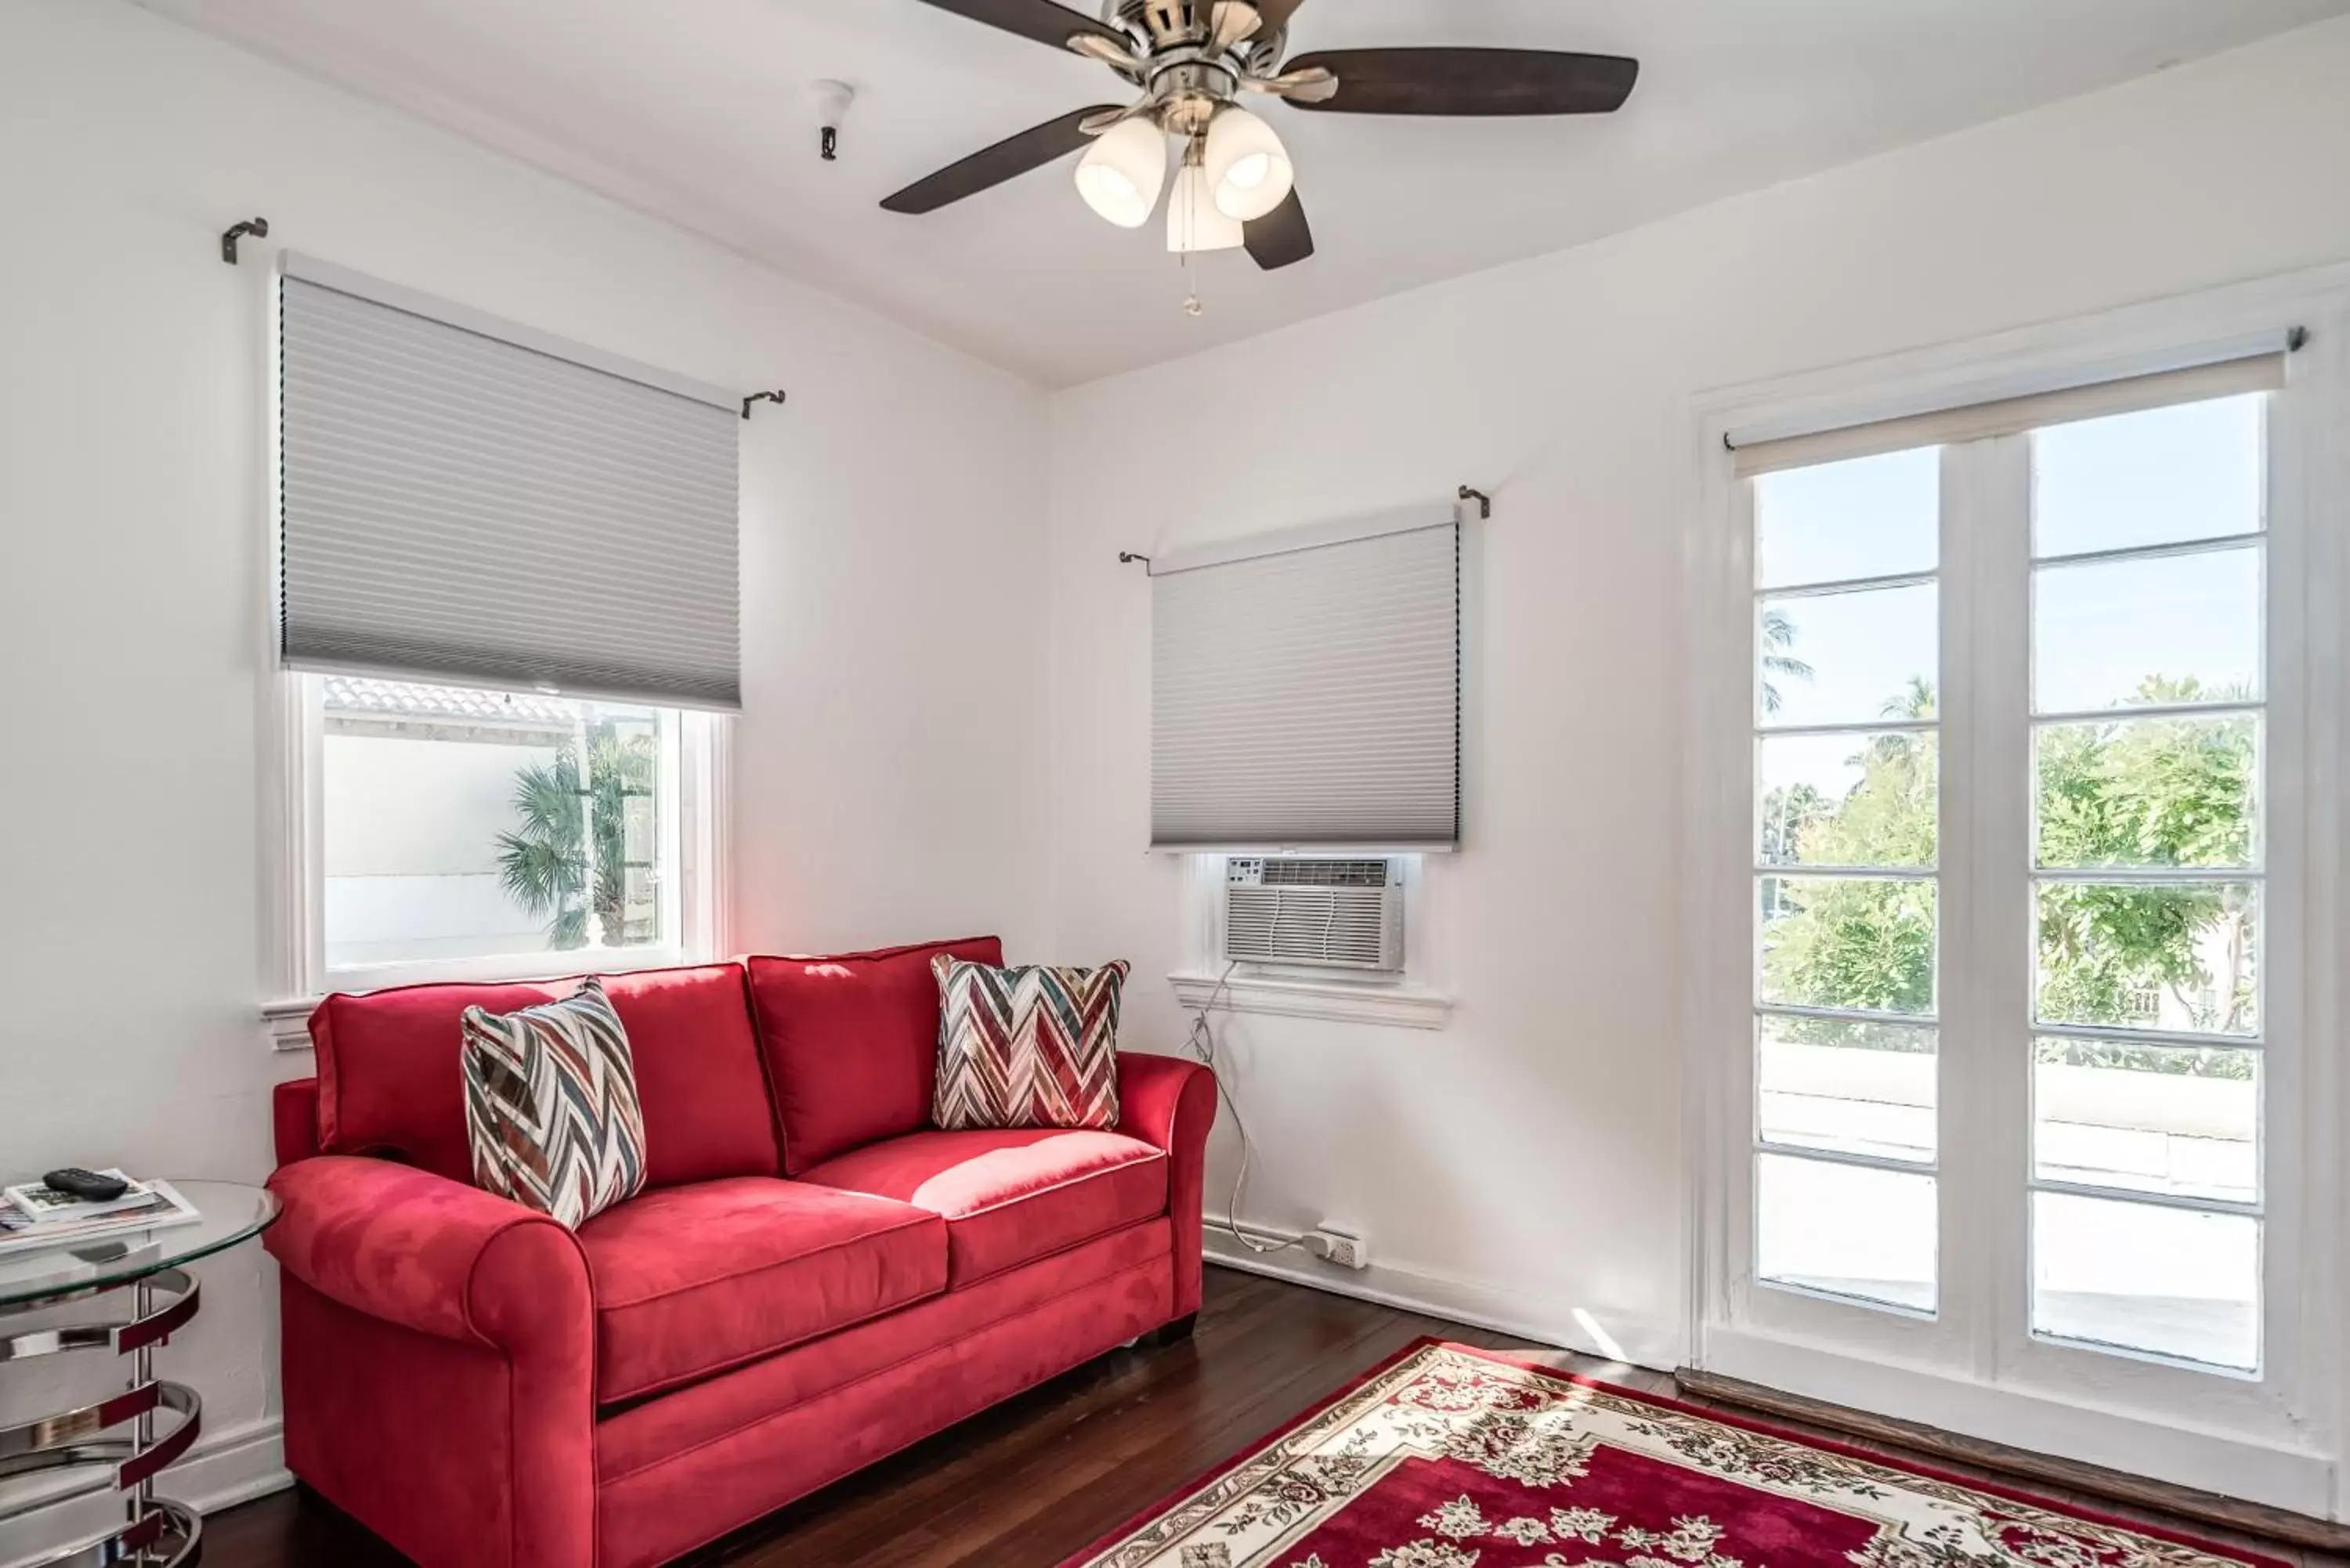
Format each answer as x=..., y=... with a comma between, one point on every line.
x=893, y=536
x=1528, y=1164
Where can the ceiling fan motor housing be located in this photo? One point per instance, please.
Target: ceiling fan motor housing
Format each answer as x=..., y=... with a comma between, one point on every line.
x=1167, y=23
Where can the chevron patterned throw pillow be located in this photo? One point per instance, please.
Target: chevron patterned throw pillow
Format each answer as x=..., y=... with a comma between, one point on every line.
x=1026, y=1047
x=551, y=1106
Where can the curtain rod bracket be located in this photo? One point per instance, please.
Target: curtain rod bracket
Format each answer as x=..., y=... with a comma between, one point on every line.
x=1484, y=502
x=1127, y=558
x=775, y=397
x=257, y=227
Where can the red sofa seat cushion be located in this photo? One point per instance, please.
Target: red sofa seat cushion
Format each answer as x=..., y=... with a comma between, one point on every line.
x=692, y=1280
x=1010, y=1197
x=390, y=1081
x=852, y=1043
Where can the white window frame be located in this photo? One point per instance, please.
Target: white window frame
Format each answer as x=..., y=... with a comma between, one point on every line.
x=1976, y=1366
x=293, y=823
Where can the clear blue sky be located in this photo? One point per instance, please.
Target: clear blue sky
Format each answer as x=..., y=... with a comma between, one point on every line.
x=2187, y=472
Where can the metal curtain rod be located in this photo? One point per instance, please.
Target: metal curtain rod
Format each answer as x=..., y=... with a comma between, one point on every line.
x=1484, y=510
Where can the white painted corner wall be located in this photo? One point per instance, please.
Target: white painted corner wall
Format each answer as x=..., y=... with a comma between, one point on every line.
x=892, y=559
x=1529, y=1165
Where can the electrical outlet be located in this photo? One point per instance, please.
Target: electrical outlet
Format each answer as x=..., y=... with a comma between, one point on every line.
x=1339, y=1247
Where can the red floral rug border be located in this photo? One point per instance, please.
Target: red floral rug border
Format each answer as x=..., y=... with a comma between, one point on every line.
x=1141, y=1517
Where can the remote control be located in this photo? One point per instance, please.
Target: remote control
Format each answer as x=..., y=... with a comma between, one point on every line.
x=86, y=1184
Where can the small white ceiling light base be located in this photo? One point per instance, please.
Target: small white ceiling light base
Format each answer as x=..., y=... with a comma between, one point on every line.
x=1123, y=172
x=1248, y=169
x=1192, y=222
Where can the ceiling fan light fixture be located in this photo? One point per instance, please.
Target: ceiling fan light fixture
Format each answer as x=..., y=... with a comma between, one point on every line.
x=1248, y=169
x=1123, y=172
x=1193, y=224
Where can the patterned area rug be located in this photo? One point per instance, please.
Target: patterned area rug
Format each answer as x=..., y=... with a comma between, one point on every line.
x=1453, y=1458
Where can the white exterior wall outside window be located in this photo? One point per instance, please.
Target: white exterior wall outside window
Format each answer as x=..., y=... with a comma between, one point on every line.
x=2003, y=1030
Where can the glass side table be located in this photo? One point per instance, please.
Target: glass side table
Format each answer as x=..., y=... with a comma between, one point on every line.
x=151, y=1264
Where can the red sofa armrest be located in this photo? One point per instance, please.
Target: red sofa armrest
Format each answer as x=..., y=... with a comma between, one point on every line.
x=432, y=1255
x=439, y=1363
x=1171, y=1104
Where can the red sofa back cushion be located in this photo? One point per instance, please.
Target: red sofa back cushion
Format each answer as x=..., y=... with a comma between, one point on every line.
x=390, y=1083
x=852, y=1043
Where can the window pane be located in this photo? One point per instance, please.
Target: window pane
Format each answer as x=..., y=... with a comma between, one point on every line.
x=2170, y=629
x=1847, y=800
x=1870, y=517
x=1846, y=1229
x=2191, y=471
x=1847, y=658
x=456, y=825
x=2148, y=791
x=2153, y=1118
x=1848, y=941
x=2170, y=1282
x=2179, y=956
x=1859, y=1088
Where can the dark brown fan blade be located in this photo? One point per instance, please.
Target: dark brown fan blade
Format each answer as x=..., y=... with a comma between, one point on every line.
x=1006, y=160
x=1043, y=20
x=1281, y=238
x=1471, y=81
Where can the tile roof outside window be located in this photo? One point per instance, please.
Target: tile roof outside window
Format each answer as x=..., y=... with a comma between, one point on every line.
x=350, y=694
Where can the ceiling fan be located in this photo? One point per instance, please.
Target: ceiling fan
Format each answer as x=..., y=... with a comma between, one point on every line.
x=1193, y=61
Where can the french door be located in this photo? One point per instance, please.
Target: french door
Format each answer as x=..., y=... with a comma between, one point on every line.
x=2023, y=899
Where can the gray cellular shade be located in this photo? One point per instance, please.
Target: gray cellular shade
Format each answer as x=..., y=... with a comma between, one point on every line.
x=1310, y=698
x=470, y=503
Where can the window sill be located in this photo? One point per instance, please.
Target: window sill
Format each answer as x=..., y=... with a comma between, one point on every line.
x=287, y=1019
x=1396, y=1006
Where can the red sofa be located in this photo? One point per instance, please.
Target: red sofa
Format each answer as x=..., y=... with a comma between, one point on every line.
x=811, y=1279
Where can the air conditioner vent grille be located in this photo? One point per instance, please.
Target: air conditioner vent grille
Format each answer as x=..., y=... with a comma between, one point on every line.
x=1343, y=914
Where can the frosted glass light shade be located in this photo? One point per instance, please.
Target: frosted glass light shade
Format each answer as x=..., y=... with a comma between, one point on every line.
x=1248, y=168
x=1124, y=170
x=1192, y=222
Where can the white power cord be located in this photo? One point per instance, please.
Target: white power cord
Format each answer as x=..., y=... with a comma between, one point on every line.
x=1202, y=1043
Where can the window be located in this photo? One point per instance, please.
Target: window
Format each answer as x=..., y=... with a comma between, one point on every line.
x=2148, y=704
x=457, y=835
x=2145, y=715
x=2008, y=758
x=471, y=824
x=1848, y=899
x=507, y=617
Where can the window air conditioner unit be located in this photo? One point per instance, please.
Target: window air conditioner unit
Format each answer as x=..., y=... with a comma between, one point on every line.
x=1330, y=914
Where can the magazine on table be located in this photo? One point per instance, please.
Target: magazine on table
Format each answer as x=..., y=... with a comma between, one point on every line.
x=33, y=1216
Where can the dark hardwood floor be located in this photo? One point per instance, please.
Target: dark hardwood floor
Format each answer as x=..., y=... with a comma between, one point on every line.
x=1040, y=1477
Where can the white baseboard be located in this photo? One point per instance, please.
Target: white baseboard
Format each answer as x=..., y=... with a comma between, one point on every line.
x=224, y=1468
x=1479, y=1304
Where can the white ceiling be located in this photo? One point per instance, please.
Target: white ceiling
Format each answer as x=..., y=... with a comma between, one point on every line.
x=697, y=110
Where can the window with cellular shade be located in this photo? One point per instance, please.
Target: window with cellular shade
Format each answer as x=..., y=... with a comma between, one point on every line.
x=466, y=500
x=1310, y=698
